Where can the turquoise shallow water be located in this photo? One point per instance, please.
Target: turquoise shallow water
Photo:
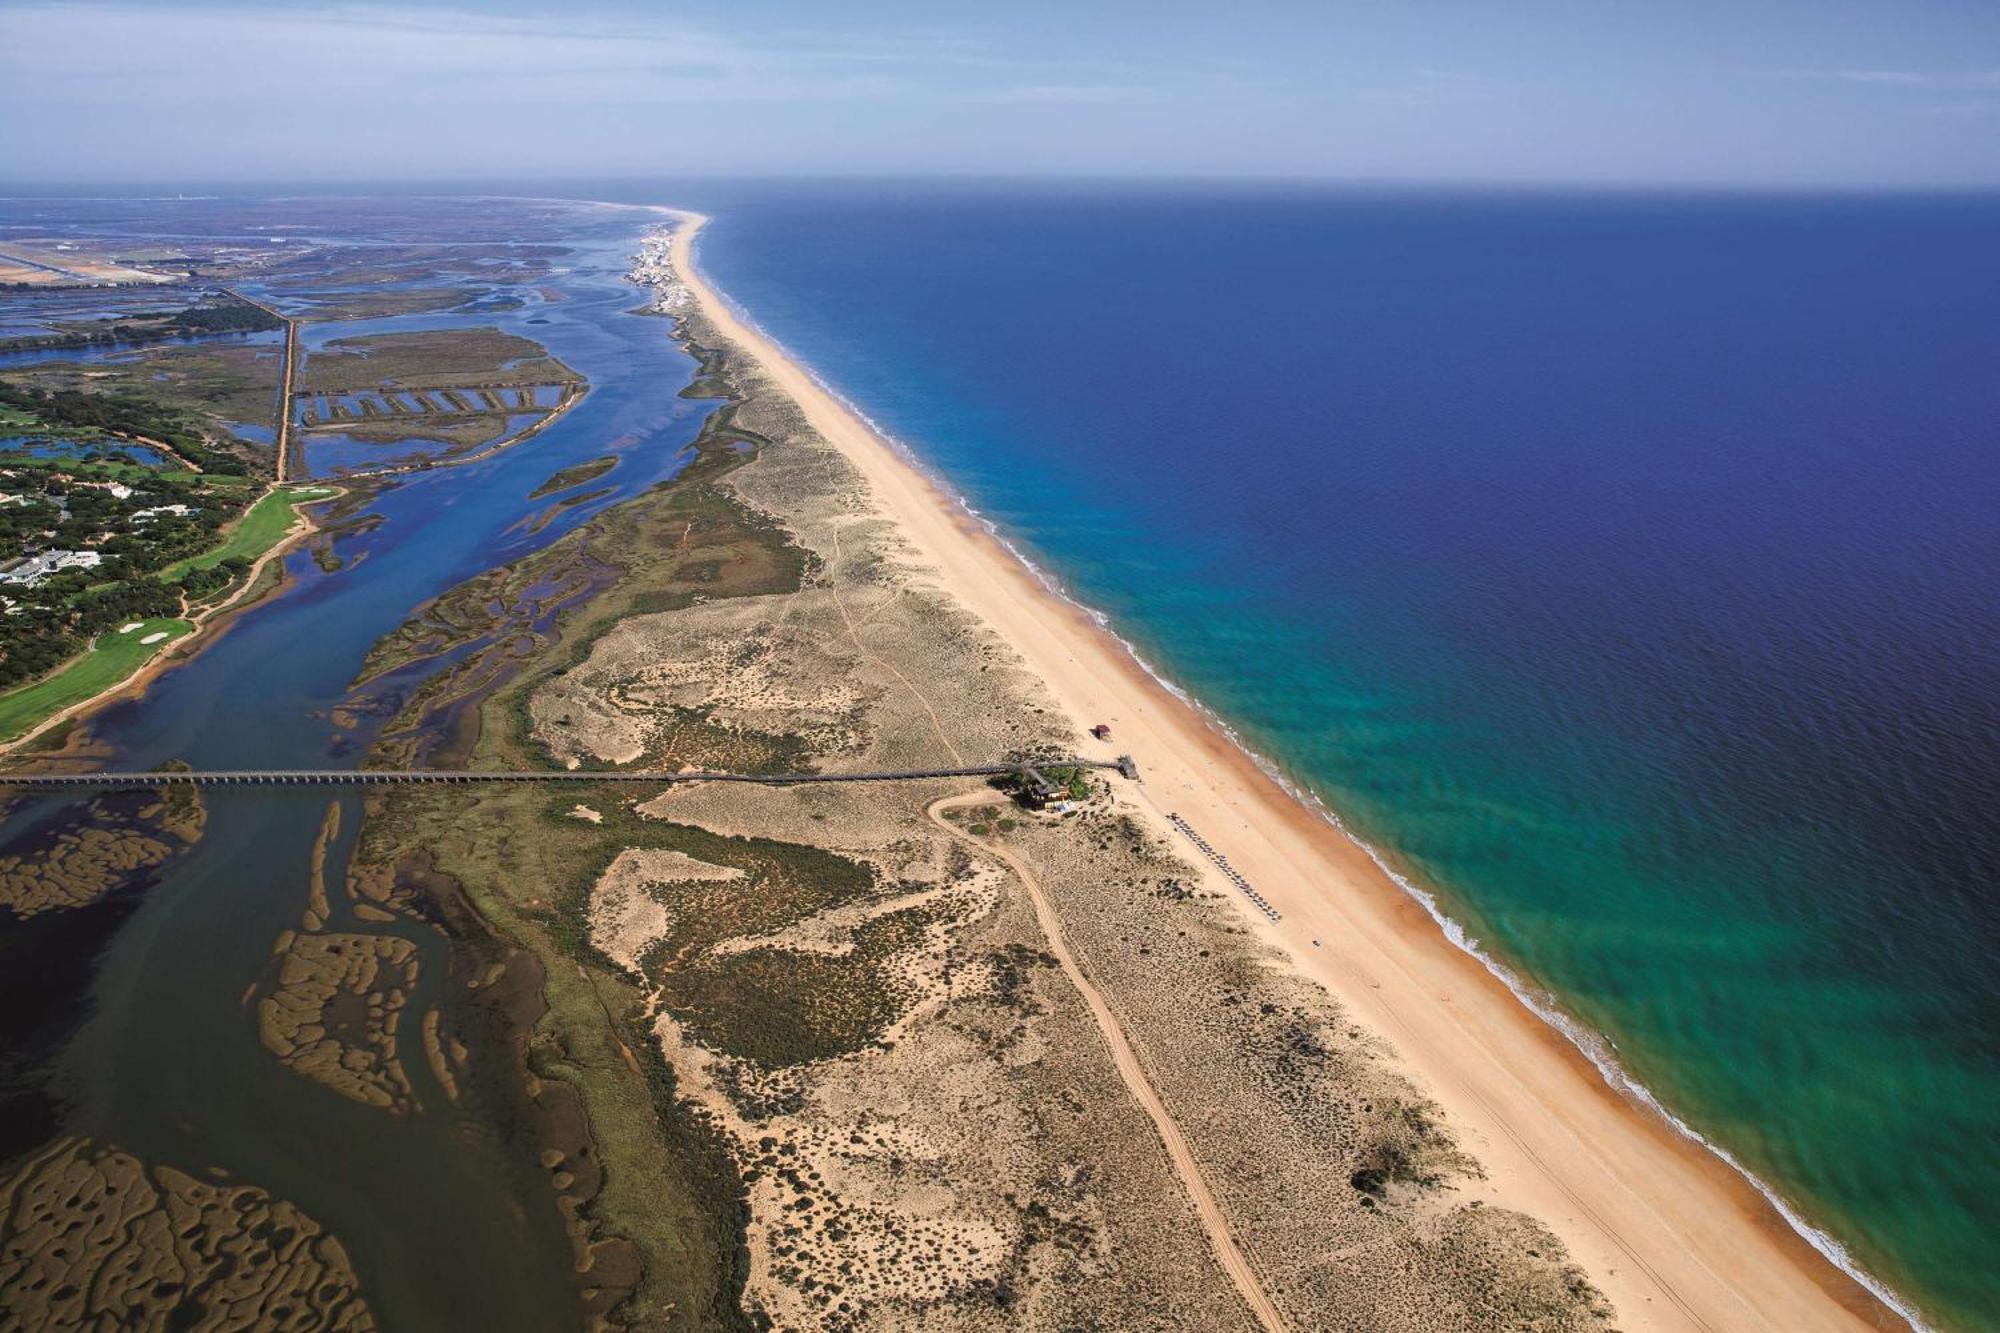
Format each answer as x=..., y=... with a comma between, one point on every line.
x=1623, y=567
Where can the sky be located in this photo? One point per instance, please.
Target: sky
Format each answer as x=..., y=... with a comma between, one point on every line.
x=1846, y=93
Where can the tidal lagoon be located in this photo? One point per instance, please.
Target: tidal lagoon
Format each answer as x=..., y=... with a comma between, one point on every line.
x=133, y=1021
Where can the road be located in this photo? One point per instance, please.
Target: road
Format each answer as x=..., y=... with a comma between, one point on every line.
x=1126, y=1060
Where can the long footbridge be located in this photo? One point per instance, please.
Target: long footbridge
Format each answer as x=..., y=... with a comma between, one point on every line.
x=385, y=777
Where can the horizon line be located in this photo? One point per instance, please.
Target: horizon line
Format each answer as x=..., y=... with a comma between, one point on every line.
x=456, y=183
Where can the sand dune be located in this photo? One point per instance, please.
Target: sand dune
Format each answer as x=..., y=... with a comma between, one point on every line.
x=1673, y=1236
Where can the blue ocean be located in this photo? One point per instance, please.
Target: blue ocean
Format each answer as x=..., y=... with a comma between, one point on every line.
x=1625, y=568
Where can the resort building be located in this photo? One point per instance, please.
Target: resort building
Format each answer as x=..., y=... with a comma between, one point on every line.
x=35, y=569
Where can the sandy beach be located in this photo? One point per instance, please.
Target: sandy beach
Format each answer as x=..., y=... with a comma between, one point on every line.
x=1674, y=1237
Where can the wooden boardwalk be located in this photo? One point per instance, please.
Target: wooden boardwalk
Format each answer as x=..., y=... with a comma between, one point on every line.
x=375, y=777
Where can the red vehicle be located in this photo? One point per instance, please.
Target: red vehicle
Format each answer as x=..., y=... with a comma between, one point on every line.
x=1101, y=731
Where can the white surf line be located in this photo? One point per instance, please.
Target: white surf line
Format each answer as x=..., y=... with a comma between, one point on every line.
x=1544, y=1007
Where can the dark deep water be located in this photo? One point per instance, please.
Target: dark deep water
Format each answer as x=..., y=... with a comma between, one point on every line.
x=1626, y=568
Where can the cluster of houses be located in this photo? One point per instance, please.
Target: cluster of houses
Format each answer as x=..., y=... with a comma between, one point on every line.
x=32, y=570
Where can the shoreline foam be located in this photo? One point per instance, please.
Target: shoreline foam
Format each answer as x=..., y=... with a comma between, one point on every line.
x=1848, y=1290
x=1593, y=1045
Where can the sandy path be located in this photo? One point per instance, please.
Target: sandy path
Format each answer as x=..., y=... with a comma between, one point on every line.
x=1137, y=1082
x=1222, y=1243
x=854, y=634
x=1676, y=1238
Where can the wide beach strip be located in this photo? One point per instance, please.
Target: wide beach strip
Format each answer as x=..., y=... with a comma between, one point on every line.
x=1674, y=1236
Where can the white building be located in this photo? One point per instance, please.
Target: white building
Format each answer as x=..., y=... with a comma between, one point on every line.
x=36, y=569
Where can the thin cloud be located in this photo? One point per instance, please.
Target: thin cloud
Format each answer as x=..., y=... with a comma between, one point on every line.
x=1965, y=108
x=116, y=51
x=1428, y=87
x=1070, y=92
x=1932, y=80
